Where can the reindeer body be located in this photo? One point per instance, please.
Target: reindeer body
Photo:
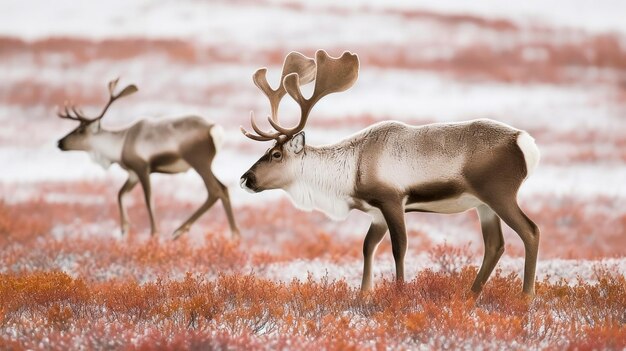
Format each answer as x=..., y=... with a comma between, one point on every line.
x=392, y=168
x=435, y=168
x=158, y=143
x=172, y=145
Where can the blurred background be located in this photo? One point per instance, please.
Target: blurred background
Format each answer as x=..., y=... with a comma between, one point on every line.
x=554, y=68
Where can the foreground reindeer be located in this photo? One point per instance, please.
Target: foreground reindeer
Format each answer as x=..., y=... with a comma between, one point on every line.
x=152, y=146
x=391, y=168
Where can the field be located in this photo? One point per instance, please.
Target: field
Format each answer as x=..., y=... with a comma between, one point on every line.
x=69, y=280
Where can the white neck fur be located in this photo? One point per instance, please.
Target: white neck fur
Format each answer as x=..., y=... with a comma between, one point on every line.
x=325, y=178
x=106, y=147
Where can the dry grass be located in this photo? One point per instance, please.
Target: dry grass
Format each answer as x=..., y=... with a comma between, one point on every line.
x=44, y=310
x=530, y=61
x=66, y=281
x=198, y=293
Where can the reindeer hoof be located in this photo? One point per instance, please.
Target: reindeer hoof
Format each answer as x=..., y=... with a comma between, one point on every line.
x=125, y=229
x=120, y=234
x=528, y=296
x=179, y=232
x=367, y=286
x=235, y=235
x=472, y=293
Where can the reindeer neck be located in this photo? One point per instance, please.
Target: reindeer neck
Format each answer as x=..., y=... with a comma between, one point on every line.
x=107, y=145
x=325, y=179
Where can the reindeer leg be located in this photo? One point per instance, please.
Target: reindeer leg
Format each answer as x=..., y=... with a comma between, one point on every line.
x=184, y=228
x=394, y=216
x=515, y=218
x=213, y=196
x=201, y=162
x=494, y=245
x=374, y=235
x=144, y=178
x=128, y=186
x=234, y=231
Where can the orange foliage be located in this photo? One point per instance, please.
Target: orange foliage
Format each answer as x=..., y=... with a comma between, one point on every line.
x=581, y=228
x=61, y=286
x=434, y=310
x=66, y=283
x=22, y=222
x=450, y=258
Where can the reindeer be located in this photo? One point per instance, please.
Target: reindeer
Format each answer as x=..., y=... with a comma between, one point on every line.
x=391, y=168
x=151, y=146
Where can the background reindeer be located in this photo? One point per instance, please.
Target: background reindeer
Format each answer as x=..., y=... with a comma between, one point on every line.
x=391, y=168
x=152, y=146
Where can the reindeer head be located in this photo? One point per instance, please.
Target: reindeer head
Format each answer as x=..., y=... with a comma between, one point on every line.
x=275, y=169
x=79, y=138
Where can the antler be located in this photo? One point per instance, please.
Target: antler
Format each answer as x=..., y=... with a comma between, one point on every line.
x=333, y=75
x=296, y=63
x=130, y=89
x=80, y=116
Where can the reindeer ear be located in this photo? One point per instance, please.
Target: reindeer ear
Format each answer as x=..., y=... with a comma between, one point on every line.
x=296, y=144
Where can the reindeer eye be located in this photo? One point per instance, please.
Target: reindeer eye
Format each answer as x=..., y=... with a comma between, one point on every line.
x=276, y=154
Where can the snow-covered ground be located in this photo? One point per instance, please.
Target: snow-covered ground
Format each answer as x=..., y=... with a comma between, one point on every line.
x=421, y=63
x=554, y=68
x=222, y=21
x=550, y=270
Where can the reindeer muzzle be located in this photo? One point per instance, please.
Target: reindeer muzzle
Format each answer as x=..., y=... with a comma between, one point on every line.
x=248, y=182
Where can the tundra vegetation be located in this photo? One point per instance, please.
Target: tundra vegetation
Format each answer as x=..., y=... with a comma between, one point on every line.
x=69, y=281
